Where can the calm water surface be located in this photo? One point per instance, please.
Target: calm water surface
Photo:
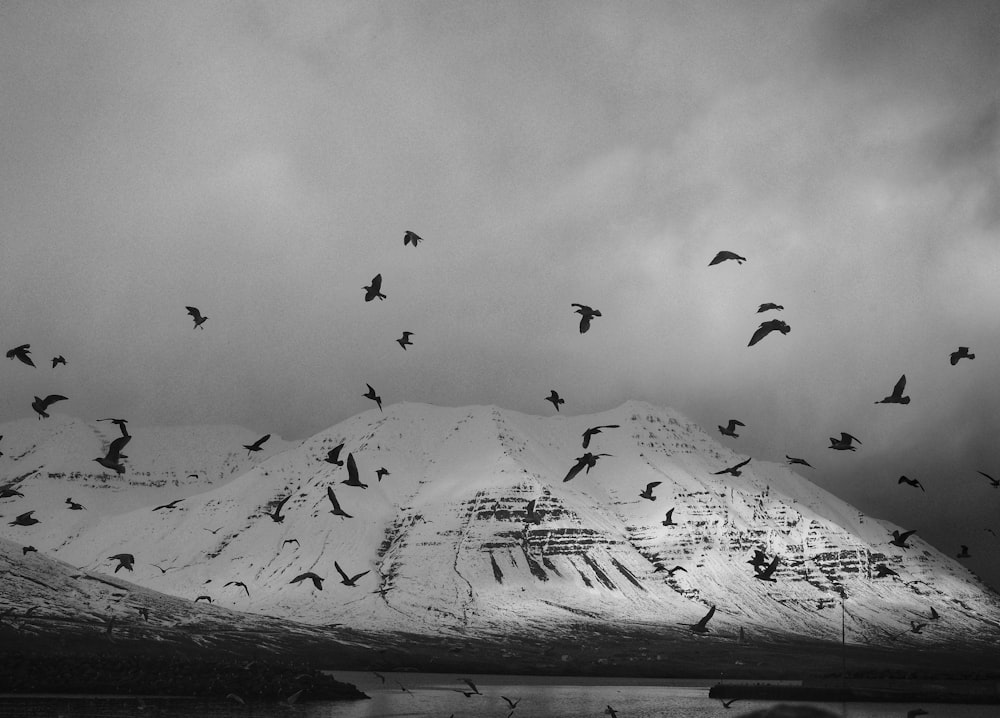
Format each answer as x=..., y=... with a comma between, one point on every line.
x=431, y=694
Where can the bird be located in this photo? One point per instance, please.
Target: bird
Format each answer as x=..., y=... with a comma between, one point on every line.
x=404, y=341
x=724, y=255
x=934, y=614
x=125, y=560
x=171, y=505
x=163, y=570
x=844, y=443
x=144, y=612
x=26, y=549
x=317, y=580
x=352, y=473
x=960, y=353
x=611, y=712
x=197, y=316
x=471, y=685
x=336, y=511
x=995, y=483
x=734, y=470
x=765, y=328
x=345, y=579
x=9, y=492
x=381, y=472
x=203, y=598
x=555, y=399
x=276, y=514
x=113, y=459
x=119, y=422
x=333, y=455
x=768, y=306
x=21, y=353
x=795, y=460
x=912, y=482
x=672, y=571
x=411, y=238
x=374, y=289
x=730, y=428
x=899, y=539
x=40, y=405
x=729, y=703
x=294, y=541
x=256, y=446
x=647, y=493
x=759, y=559
x=896, y=397
x=74, y=506
x=669, y=520
x=238, y=583
x=214, y=531
x=25, y=519
x=702, y=625
x=586, y=314
x=58, y=360
x=511, y=704
x=964, y=553
x=587, y=461
x=370, y=394
x=235, y=698
x=765, y=574
x=532, y=516
x=916, y=627
x=882, y=571
x=596, y=430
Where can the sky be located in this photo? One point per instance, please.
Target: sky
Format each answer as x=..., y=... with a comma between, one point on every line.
x=261, y=161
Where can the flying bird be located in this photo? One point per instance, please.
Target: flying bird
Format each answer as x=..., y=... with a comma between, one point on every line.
x=381, y=472
x=125, y=560
x=899, y=539
x=765, y=328
x=794, y=460
x=882, y=571
x=9, y=492
x=995, y=483
x=934, y=614
x=734, y=470
x=74, y=506
x=404, y=341
x=58, y=360
x=40, y=405
x=511, y=704
x=317, y=580
x=333, y=455
x=844, y=443
x=214, y=531
x=120, y=423
x=336, y=511
x=964, y=553
x=765, y=574
x=647, y=493
x=276, y=514
x=912, y=482
x=197, y=316
x=371, y=395
x=21, y=353
x=609, y=711
x=759, y=559
x=896, y=397
x=113, y=459
x=555, y=399
x=702, y=625
x=596, y=430
x=203, y=598
x=171, y=505
x=768, y=306
x=345, y=579
x=724, y=255
x=256, y=446
x=961, y=353
x=25, y=550
x=669, y=520
x=587, y=461
x=374, y=289
x=411, y=238
x=238, y=583
x=675, y=569
x=532, y=516
x=586, y=314
x=294, y=541
x=730, y=428
x=352, y=473
x=25, y=519
x=471, y=685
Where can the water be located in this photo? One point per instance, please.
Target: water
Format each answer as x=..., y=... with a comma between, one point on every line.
x=437, y=696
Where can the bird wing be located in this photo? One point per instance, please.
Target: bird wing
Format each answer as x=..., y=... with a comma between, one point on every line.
x=357, y=576
x=897, y=390
x=51, y=399
x=341, y=571
x=377, y=283
x=766, y=573
x=735, y=422
x=277, y=509
x=261, y=440
x=652, y=485
x=333, y=499
x=352, y=470
x=762, y=331
x=193, y=311
x=844, y=436
x=530, y=509
x=742, y=464
x=905, y=535
x=580, y=463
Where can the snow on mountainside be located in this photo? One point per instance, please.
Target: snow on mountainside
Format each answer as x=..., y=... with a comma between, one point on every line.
x=448, y=545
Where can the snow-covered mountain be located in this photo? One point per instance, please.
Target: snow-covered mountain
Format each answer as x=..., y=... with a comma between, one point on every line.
x=448, y=544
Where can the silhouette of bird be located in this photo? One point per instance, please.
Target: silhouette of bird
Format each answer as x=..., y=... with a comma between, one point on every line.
x=734, y=470
x=374, y=289
x=294, y=541
x=370, y=394
x=896, y=397
x=25, y=519
x=125, y=560
x=411, y=238
x=276, y=514
x=404, y=341
x=702, y=625
x=532, y=516
x=912, y=482
x=471, y=685
x=881, y=571
x=40, y=405
x=675, y=569
x=724, y=255
x=214, y=531
x=729, y=703
x=669, y=520
x=964, y=553
x=203, y=598
x=961, y=353
x=917, y=627
x=171, y=505
x=345, y=579
x=555, y=399
x=58, y=360
x=21, y=353
x=317, y=580
x=256, y=446
x=381, y=472
x=238, y=583
x=74, y=506
x=587, y=461
x=899, y=539
x=352, y=473
x=765, y=328
x=120, y=423
x=611, y=712
x=336, y=511
x=730, y=428
x=27, y=549
x=934, y=614
x=197, y=316
x=9, y=492
x=647, y=493
x=765, y=574
x=995, y=483
x=586, y=314
x=794, y=460
x=333, y=455
x=759, y=559
x=162, y=570
x=844, y=443
x=596, y=430
x=113, y=459
x=511, y=704
x=768, y=306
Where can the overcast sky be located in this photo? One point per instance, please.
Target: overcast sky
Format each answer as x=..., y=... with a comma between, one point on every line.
x=261, y=161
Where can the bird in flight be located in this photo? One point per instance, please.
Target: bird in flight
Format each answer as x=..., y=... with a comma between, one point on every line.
x=374, y=397
x=276, y=514
x=113, y=459
x=381, y=472
x=759, y=559
x=587, y=461
x=724, y=255
x=899, y=539
x=734, y=470
x=702, y=625
x=672, y=571
x=345, y=579
x=404, y=341
x=171, y=505
x=74, y=506
x=256, y=446
x=214, y=531
x=294, y=541
x=912, y=482
x=882, y=571
x=58, y=360
x=120, y=423
x=647, y=493
x=669, y=520
x=995, y=483
x=352, y=474
x=25, y=519
x=411, y=238
x=964, y=553
x=532, y=516
x=471, y=685
x=203, y=598
x=896, y=397
x=374, y=289
x=765, y=574
x=794, y=460
x=960, y=353
x=21, y=353
x=125, y=560
x=934, y=614
x=317, y=580
x=766, y=328
x=768, y=306
x=844, y=443
x=596, y=430
x=336, y=511
x=163, y=570
x=333, y=455
x=555, y=399
x=586, y=314
x=730, y=428
x=9, y=492
x=198, y=318
x=40, y=405
x=238, y=583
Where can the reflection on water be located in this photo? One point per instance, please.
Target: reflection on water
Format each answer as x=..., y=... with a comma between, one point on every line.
x=439, y=695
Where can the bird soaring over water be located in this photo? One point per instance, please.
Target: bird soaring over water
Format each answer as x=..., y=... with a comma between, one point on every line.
x=765, y=328
x=199, y=319
x=730, y=428
x=896, y=397
x=844, y=443
x=25, y=519
x=555, y=399
x=40, y=405
x=912, y=482
x=336, y=510
x=56, y=361
x=596, y=430
x=317, y=580
x=794, y=460
x=960, y=353
x=647, y=493
x=724, y=255
x=345, y=579
x=734, y=470
x=113, y=459
x=586, y=314
x=587, y=461
x=899, y=539
x=768, y=306
x=125, y=560
x=352, y=474
x=21, y=353
x=702, y=625
x=532, y=516
x=374, y=289
x=370, y=394
x=404, y=341
x=120, y=423
x=256, y=446
x=276, y=514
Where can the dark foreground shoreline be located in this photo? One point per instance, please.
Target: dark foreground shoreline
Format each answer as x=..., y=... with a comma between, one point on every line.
x=869, y=691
